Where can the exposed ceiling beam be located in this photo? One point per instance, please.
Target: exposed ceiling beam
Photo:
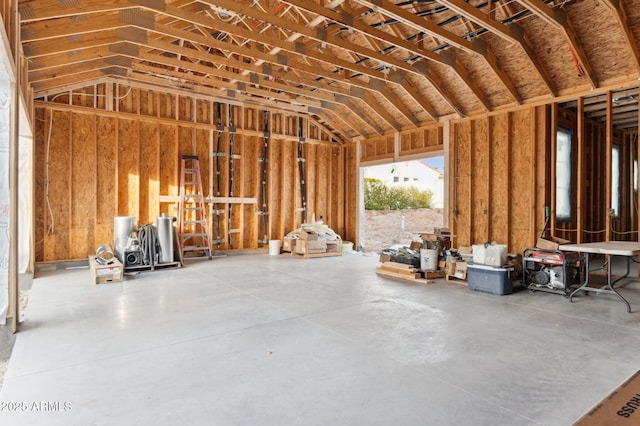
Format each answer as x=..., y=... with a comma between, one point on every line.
x=477, y=47
x=512, y=34
x=558, y=18
x=322, y=37
x=348, y=20
x=75, y=25
x=63, y=44
x=39, y=10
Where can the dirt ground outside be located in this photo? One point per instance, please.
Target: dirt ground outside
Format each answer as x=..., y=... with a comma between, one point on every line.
x=385, y=228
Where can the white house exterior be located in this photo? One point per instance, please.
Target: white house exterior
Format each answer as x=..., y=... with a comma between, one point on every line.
x=411, y=173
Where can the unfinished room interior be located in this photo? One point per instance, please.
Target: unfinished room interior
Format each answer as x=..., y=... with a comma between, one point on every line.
x=182, y=212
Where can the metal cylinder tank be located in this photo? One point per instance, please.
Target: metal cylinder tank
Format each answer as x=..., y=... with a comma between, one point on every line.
x=164, y=224
x=123, y=226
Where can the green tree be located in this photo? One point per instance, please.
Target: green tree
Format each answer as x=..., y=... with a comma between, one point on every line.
x=378, y=196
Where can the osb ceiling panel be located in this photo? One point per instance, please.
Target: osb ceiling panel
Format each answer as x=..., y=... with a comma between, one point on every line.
x=374, y=66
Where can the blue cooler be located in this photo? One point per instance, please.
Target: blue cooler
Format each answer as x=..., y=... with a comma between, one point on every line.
x=490, y=279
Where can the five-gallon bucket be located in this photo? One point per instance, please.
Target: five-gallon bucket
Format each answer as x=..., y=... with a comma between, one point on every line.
x=429, y=259
x=274, y=247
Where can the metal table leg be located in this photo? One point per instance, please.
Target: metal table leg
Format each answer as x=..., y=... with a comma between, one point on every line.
x=611, y=284
x=586, y=277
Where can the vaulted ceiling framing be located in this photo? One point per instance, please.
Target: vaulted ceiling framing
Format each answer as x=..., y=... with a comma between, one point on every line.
x=362, y=67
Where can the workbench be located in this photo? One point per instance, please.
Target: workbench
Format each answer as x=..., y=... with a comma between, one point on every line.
x=626, y=249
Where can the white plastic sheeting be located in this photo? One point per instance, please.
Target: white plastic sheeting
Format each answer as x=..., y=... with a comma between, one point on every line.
x=24, y=201
x=5, y=108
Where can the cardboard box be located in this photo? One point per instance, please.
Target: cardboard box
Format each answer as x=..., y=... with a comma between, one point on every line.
x=551, y=243
x=620, y=407
x=384, y=258
x=416, y=245
x=429, y=237
x=310, y=247
x=333, y=246
x=465, y=250
x=308, y=235
x=441, y=231
x=289, y=244
x=461, y=270
x=450, y=268
x=102, y=274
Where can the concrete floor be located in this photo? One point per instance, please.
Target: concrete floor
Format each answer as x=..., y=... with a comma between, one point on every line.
x=271, y=340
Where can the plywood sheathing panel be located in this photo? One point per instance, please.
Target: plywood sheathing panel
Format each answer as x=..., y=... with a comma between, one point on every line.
x=552, y=50
x=633, y=17
x=56, y=245
x=421, y=141
x=323, y=173
x=486, y=79
x=602, y=38
x=128, y=99
x=106, y=179
x=83, y=185
x=148, y=103
x=202, y=140
x=519, y=182
x=351, y=182
x=128, y=168
x=167, y=105
x=126, y=183
x=481, y=174
x=251, y=178
x=425, y=90
x=42, y=220
x=462, y=214
x=543, y=168
x=238, y=191
x=203, y=111
x=275, y=190
x=336, y=215
x=149, y=172
x=169, y=178
x=514, y=61
x=500, y=192
x=312, y=181
x=290, y=186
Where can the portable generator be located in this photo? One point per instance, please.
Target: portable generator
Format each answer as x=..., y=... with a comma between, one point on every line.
x=550, y=270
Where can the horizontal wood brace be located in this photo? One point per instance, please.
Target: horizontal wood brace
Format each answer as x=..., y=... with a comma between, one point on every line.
x=210, y=200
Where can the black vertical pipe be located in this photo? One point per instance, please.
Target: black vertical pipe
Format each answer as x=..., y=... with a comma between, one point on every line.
x=303, y=189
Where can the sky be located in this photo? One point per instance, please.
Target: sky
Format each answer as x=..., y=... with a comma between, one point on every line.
x=437, y=162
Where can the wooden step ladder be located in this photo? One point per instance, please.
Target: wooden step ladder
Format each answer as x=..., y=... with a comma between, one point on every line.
x=192, y=225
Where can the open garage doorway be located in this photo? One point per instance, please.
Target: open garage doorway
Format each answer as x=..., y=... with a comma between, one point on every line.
x=399, y=201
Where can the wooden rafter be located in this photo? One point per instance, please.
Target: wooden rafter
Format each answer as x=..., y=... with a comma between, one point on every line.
x=323, y=37
x=512, y=34
x=558, y=18
x=477, y=47
x=347, y=19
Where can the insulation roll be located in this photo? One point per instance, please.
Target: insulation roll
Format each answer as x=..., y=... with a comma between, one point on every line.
x=164, y=225
x=123, y=226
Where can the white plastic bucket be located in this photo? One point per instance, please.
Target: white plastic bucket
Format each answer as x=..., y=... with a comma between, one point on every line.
x=274, y=247
x=429, y=259
x=347, y=246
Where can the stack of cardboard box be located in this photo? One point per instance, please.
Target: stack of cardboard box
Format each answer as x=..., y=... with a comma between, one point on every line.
x=313, y=240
